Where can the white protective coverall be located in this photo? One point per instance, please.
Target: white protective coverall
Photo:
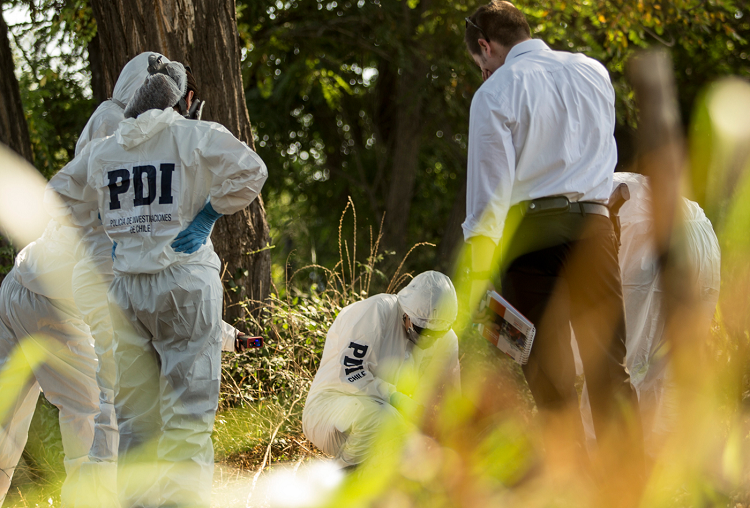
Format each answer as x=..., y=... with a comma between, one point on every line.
x=150, y=180
x=45, y=343
x=92, y=277
x=647, y=356
x=366, y=355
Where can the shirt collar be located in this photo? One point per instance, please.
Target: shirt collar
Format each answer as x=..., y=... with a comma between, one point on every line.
x=525, y=47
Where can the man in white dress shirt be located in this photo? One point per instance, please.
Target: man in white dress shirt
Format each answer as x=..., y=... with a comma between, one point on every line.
x=541, y=160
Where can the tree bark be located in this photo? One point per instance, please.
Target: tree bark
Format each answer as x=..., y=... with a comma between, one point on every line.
x=202, y=34
x=408, y=134
x=14, y=131
x=98, y=86
x=453, y=237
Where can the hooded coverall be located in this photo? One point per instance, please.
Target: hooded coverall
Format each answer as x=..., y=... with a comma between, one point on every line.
x=150, y=180
x=366, y=358
x=647, y=354
x=92, y=277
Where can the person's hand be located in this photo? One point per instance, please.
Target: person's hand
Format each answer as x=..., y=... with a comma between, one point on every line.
x=239, y=344
x=481, y=314
x=244, y=341
x=192, y=237
x=406, y=406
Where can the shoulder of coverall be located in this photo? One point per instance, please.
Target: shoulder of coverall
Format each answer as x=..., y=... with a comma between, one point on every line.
x=638, y=207
x=57, y=239
x=368, y=317
x=103, y=122
x=692, y=211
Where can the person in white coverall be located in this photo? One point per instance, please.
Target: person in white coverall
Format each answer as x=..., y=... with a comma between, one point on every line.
x=161, y=182
x=87, y=265
x=91, y=279
x=45, y=344
x=647, y=355
x=371, y=344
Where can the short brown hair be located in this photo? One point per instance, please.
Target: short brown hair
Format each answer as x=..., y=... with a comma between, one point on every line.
x=192, y=85
x=498, y=21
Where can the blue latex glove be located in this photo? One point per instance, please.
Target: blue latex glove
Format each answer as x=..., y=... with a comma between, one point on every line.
x=192, y=237
x=114, y=246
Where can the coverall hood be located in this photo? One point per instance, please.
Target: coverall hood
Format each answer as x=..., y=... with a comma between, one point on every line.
x=134, y=131
x=110, y=113
x=430, y=301
x=131, y=78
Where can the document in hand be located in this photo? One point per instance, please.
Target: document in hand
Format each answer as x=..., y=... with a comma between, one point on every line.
x=509, y=330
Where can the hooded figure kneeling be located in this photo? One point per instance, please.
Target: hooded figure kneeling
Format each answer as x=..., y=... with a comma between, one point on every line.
x=377, y=356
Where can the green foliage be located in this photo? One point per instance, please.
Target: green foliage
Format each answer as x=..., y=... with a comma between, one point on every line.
x=54, y=77
x=706, y=39
x=322, y=85
x=40, y=475
x=323, y=94
x=7, y=256
x=57, y=112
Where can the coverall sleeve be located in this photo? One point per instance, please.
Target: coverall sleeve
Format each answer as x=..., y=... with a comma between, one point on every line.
x=356, y=365
x=491, y=168
x=69, y=198
x=228, y=336
x=238, y=172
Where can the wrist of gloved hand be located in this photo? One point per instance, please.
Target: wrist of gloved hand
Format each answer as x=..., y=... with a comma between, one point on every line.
x=406, y=405
x=192, y=237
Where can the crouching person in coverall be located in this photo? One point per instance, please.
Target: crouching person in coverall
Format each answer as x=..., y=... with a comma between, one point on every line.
x=359, y=387
x=161, y=182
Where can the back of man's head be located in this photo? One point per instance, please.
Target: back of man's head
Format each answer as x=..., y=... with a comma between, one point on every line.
x=498, y=21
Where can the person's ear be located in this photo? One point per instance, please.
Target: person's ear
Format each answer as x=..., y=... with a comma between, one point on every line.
x=189, y=98
x=485, y=47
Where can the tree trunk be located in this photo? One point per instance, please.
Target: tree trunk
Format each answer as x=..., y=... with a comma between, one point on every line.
x=408, y=134
x=453, y=236
x=98, y=86
x=14, y=131
x=202, y=34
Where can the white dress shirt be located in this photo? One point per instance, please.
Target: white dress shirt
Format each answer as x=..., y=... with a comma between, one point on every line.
x=541, y=125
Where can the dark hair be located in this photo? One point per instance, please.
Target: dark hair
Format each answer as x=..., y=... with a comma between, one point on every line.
x=500, y=21
x=191, y=83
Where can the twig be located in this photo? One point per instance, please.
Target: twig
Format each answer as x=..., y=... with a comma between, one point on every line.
x=394, y=278
x=341, y=254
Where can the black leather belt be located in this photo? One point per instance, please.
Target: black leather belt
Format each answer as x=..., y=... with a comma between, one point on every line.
x=584, y=207
x=554, y=205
